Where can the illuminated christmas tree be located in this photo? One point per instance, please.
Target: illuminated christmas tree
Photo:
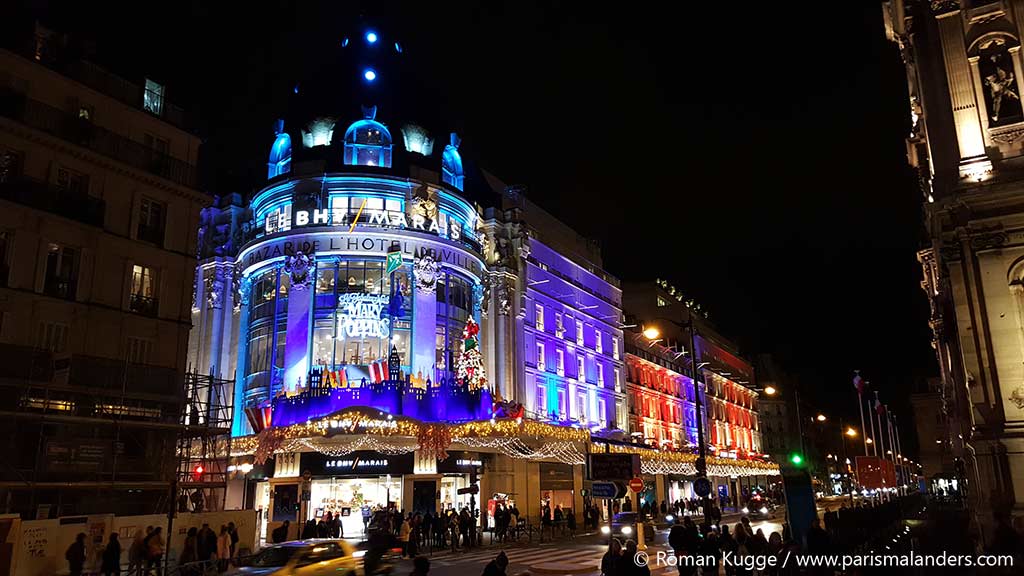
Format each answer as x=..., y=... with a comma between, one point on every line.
x=470, y=364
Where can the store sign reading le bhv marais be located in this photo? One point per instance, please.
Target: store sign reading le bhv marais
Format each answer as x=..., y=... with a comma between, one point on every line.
x=353, y=464
x=281, y=219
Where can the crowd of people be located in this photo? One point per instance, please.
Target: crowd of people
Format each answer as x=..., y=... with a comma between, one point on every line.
x=203, y=547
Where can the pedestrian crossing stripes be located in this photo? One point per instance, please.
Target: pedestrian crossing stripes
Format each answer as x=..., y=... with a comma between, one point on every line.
x=527, y=556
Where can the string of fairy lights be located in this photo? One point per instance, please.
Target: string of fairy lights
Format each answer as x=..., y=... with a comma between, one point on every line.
x=356, y=429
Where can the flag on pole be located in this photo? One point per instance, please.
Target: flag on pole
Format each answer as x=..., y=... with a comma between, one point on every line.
x=859, y=382
x=379, y=372
x=879, y=409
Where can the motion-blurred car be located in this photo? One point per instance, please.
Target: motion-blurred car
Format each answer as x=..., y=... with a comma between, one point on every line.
x=313, y=557
x=623, y=527
x=760, y=508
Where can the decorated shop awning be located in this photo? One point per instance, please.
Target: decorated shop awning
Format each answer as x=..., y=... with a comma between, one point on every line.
x=354, y=429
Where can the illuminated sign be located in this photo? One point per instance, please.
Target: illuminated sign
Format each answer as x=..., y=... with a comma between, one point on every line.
x=283, y=219
x=354, y=423
x=359, y=316
x=355, y=463
x=468, y=463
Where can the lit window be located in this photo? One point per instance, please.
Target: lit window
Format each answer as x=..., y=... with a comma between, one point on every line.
x=581, y=372
x=615, y=374
x=143, y=296
x=541, y=365
x=579, y=332
x=539, y=319
x=560, y=362
x=280, y=161
x=368, y=142
x=615, y=347
x=600, y=375
x=602, y=412
x=598, y=344
x=581, y=408
x=562, y=407
x=85, y=112
x=451, y=164
x=559, y=326
x=662, y=302
x=153, y=99
x=542, y=401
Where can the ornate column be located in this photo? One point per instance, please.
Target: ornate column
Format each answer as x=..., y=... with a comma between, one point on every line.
x=241, y=286
x=424, y=320
x=300, y=269
x=961, y=87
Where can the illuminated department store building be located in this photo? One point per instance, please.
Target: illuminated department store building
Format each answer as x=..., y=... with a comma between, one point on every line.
x=338, y=297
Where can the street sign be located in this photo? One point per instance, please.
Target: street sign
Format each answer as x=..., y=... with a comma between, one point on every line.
x=614, y=467
x=636, y=485
x=394, y=262
x=474, y=489
x=607, y=490
x=702, y=486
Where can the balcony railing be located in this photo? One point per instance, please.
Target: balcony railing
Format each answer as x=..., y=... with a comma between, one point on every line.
x=59, y=123
x=142, y=305
x=77, y=206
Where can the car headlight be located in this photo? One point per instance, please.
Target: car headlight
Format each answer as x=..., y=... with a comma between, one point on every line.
x=359, y=553
x=764, y=510
x=746, y=510
x=627, y=530
x=669, y=518
x=606, y=530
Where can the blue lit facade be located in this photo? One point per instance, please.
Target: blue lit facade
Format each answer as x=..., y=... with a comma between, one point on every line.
x=572, y=342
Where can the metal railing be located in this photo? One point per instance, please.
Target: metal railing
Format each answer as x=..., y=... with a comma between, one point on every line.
x=46, y=118
x=77, y=206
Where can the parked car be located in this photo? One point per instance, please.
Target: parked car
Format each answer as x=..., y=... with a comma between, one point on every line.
x=623, y=526
x=314, y=557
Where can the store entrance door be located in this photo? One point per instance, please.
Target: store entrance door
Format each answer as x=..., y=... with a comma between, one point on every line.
x=424, y=496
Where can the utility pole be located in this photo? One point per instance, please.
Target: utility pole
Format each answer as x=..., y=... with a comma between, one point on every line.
x=702, y=463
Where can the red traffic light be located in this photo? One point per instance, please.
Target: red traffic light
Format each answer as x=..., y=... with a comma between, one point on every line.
x=199, y=471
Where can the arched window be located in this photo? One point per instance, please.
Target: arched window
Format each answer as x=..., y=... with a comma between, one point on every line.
x=280, y=160
x=368, y=142
x=451, y=163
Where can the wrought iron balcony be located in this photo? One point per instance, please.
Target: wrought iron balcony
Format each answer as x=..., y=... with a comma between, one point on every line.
x=77, y=206
x=143, y=305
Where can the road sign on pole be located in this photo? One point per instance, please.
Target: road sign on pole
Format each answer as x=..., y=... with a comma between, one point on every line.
x=702, y=486
x=636, y=485
x=607, y=490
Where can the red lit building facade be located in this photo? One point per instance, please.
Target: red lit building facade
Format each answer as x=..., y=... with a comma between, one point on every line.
x=660, y=399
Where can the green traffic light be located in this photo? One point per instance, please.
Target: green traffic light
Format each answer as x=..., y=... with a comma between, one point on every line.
x=796, y=459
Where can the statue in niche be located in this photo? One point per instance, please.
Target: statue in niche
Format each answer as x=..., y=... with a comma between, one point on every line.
x=1001, y=88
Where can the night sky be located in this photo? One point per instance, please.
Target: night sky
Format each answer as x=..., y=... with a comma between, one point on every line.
x=750, y=153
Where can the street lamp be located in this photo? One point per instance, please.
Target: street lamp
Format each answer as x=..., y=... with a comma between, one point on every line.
x=851, y=432
x=821, y=418
x=770, y=390
x=651, y=333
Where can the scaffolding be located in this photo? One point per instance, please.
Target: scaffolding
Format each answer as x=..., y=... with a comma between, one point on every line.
x=204, y=444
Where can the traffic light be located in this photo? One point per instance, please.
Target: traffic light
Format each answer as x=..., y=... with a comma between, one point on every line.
x=796, y=459
x=197, y=473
